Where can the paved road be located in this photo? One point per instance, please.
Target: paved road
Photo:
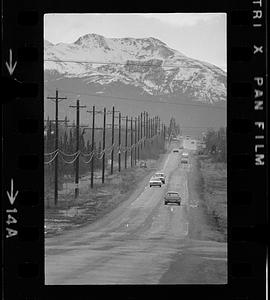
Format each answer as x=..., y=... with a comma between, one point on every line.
x=135, y=244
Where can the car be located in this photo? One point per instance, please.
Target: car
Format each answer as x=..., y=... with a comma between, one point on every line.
x=172, y=197
x=175, y=150
x=184, y=160
x=181, y=147
x=161, y=176
x=143, y=164
x=155, y=181
x=185, y=154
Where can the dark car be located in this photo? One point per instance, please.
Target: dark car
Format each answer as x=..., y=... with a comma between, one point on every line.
x=184, y=160
x=172, y=197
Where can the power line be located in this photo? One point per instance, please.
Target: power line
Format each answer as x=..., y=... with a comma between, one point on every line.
x=142, y=101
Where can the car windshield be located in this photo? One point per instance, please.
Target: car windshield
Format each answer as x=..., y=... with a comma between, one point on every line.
x=173, y=194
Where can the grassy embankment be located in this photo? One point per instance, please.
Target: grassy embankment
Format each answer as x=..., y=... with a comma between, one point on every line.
x=214, y=178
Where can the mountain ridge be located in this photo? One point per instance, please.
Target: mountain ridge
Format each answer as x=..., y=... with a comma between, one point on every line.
x=146, y=63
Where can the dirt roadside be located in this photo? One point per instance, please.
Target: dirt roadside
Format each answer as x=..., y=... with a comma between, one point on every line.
x=202, y=221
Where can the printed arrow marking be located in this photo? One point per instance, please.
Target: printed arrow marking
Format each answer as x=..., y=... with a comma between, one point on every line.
x=12, y=197
x=9, y=66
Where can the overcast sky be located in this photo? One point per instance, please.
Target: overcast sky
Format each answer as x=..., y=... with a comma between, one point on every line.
x=200, y=36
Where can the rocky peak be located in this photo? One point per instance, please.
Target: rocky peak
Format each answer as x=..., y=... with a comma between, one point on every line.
x=92, y=39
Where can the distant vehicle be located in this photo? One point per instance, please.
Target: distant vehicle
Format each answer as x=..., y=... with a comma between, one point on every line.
x=161, y=176
x=172, y=197
x=175, y=151
x=184, y=154
x=155, y=181
x=181, y=147
x=143, y=164
x=184, y=160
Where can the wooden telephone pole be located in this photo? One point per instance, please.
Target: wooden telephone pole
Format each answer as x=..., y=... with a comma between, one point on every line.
x=56, y=98
x=104, y=144
x=126, y=141
x=77, y=162
x=93, y=112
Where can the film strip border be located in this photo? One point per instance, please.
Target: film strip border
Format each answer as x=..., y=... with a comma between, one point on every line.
x=247, y=145
x=22, y=214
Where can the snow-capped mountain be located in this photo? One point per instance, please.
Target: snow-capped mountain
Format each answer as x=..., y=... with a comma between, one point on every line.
x=147, y=64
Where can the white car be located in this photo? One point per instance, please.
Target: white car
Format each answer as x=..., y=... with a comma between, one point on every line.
x=184, y=154
x=155, y=181
x=161, y=176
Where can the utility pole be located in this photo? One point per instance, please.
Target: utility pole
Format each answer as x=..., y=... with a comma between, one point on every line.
x=141, y=129
x=135, y=142
x=112, y=153
x=144, y=130
x=164, y=136
x=225, y=144
x=131, y=142
x=104, y=144
x=56, y=142
x=92, y=148
x=151, y=133
x=139, y=136
x=77, y=146
x=154, y=126
x=94, y=112
x=119, y=142
x=147, y=126
x=126, y=141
